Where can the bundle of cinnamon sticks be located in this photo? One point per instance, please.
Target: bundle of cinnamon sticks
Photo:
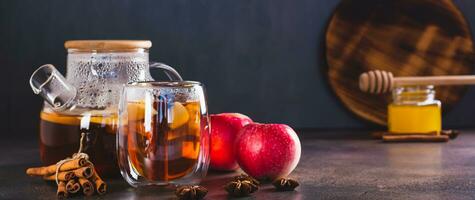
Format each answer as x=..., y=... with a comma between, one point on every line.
x=72, y=175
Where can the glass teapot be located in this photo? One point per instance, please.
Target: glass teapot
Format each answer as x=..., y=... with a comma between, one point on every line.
x=85, y=102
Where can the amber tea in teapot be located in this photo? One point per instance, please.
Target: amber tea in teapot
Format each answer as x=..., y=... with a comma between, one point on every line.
x=60, y=135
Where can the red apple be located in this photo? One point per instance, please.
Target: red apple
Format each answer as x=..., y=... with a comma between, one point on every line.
x=267, y=151
x=224, y=129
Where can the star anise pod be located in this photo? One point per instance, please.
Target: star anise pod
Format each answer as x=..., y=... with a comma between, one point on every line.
x=283, y=184
x=244, y=177
x=191, y=192
x=240, y=188
x=451, y=133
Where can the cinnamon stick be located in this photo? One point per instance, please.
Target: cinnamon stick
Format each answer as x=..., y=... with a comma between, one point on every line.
x=415, y=138
x=48, y=170
x=87, y=187
x=101, y=186
x=61, y=192
x=72, y=186
x=84, y=172
x=62, y=176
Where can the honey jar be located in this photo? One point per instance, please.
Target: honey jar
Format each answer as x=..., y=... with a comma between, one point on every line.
x=414, y=110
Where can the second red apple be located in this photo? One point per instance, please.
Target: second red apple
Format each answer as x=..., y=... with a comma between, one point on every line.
x=267, y=151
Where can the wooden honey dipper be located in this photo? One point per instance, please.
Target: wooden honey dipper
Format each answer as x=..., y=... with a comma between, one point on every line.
x=378, y=81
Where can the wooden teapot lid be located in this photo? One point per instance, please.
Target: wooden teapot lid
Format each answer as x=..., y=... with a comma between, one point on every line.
x=107, y=44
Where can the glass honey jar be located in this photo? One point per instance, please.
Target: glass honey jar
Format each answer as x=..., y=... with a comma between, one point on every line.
x=414, y=110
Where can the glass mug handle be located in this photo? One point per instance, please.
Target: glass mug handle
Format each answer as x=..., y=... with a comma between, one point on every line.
x=171, y=73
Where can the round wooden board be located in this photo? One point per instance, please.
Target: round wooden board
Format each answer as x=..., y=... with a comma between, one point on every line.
x=406, y=37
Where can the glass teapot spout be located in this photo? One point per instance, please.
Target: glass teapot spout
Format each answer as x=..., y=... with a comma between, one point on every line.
x=47, y=82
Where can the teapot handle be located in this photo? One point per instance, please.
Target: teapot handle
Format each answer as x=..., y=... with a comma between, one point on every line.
x=172, y=74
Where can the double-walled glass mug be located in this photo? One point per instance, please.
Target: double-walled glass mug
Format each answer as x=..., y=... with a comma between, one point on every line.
x=163, y=136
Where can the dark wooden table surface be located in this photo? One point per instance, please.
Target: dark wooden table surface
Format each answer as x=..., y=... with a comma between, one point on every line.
x=334, y=165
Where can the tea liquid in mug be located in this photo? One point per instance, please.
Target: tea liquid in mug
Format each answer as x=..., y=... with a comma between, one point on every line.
x=163, y=141
x=60, y=135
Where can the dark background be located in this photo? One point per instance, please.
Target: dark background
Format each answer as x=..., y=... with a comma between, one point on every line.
x=263, y=58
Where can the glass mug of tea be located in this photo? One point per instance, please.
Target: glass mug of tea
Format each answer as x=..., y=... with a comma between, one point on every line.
x=163, y=135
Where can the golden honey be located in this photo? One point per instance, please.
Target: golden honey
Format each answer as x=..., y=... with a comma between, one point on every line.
x=414, y=111
x=414, y=119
